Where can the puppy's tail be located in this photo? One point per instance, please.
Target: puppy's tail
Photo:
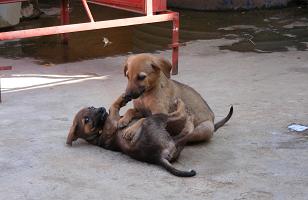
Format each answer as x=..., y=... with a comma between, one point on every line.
x=223, y=121
x=167, y=165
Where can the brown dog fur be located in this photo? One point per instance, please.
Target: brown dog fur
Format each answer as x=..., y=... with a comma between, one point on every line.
x=150, y=86
x=145, y=139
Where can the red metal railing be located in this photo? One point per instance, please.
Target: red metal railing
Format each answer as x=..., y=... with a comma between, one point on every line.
x=154, y=10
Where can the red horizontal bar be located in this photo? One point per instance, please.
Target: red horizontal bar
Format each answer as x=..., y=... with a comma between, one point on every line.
x=5, y=68
x=86, y=26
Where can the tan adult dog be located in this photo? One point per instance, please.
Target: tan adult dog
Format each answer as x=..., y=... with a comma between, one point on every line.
x=150, y=86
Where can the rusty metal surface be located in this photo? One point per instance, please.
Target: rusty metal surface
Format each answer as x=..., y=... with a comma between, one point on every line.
x=138, y=6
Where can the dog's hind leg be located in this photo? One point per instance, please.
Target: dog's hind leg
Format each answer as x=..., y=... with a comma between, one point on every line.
x=177, y=120
x=203, y=132
x=181, y=139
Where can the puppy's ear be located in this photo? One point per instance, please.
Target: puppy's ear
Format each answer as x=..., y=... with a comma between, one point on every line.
x=71, y=135
x=164, y=65
x=125, y=69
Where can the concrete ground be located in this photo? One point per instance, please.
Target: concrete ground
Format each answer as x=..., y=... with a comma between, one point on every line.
x=254, y=156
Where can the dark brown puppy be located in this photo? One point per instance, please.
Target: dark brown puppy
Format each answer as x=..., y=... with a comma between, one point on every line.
x=145, y=139
x=150, y=86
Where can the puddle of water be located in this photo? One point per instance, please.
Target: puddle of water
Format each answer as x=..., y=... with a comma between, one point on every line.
x=256, y=31
x=82, y=45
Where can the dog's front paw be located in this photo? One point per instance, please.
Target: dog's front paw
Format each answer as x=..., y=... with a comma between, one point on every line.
x=179, y=105
x=176, y=101
x=122, y=123
x=128, y=135
x=121, y=101
x=127, y=98
x=179, y=102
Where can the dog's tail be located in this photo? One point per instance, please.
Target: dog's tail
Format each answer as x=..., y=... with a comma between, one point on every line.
x=167, y=165
x=223, y=121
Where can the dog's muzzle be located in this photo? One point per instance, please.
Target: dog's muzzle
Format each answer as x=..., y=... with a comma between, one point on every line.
x=134, y=94
x=103, y=113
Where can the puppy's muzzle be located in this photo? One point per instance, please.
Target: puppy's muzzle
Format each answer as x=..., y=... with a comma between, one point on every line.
x=134, y=94
x=102, y=111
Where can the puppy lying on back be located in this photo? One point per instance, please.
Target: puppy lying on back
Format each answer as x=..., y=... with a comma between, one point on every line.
x=146, y=138
x=150, y=86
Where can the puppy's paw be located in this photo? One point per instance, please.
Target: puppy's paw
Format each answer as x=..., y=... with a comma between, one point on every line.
x=122, y=123
x=128, y=135
x=174, y=101
x=180, y=105
x=179, y=102
x=126, y=98
x=118, y=103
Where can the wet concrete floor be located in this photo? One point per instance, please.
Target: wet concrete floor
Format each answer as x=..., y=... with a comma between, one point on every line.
x=254, y=156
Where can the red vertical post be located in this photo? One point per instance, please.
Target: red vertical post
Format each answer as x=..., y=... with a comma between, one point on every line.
x=65, y=18
x=175, y=43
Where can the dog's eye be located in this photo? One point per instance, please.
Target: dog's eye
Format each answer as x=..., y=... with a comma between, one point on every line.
x=86, y=120
x=141, y=77
x=91, y=108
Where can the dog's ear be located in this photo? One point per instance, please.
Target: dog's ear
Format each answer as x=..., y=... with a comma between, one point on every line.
x=163, y=64
x=125, y=69
x=71, y=135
